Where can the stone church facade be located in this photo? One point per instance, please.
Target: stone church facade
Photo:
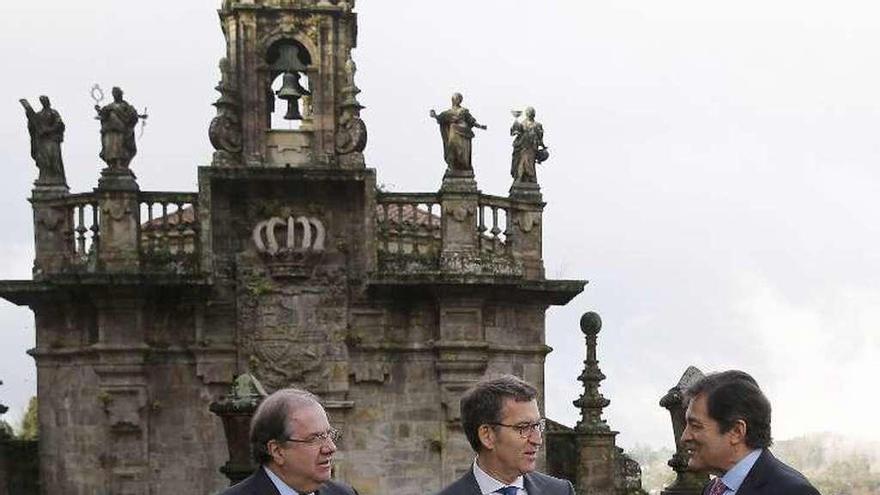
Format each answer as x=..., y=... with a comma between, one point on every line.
x=290, y=265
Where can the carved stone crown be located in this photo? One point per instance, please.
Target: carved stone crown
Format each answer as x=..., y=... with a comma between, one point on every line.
x=295, y=254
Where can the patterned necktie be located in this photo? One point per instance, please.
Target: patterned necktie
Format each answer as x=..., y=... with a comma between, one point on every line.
x=718, y=487
x=507, y=490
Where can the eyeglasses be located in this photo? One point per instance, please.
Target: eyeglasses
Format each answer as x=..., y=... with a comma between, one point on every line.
x=526, y=430
x=318, y=438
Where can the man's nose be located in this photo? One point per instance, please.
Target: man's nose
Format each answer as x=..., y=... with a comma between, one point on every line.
x=536, y=438
x=686, y=434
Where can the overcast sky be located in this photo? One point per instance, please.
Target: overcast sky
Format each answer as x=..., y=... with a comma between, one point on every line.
x=713, y=170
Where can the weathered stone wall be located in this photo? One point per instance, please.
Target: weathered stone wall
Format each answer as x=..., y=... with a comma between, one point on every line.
x=124, y=388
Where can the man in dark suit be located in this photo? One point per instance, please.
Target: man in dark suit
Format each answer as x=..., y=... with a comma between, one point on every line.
x=501, y=420
x=727, y=434
x=292, y=441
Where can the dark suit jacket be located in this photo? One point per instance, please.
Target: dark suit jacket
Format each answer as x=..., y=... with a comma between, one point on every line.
x=260, y=484
x=534, y=483
x=770, y=476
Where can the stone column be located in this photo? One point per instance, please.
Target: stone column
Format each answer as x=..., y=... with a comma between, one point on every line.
x=53, y=229
x=119, y=250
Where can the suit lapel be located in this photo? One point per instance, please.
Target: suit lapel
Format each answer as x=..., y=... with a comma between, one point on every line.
x=469, y=483
x=758, y=475
x=264, y=485
x=529, y=484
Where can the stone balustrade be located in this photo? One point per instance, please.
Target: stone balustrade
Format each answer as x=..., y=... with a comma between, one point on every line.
x=409, y=224
x=169, y=234
x=461, y=232
x=493, y=224
x=71, y=234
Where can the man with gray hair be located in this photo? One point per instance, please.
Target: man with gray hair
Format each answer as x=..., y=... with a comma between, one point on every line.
x=293, y=442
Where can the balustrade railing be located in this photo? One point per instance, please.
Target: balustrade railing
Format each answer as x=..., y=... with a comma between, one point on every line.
x=409, y=224
x=83, y=232
x=168, y=235
x=493, y=223
x=169, y=232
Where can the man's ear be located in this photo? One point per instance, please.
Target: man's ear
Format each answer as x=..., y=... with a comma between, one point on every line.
x=274, y=449
x=486, y=434
x=738, y=431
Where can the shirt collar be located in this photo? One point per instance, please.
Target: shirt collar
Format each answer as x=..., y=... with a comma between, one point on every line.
x=489, y=485
x=282, y=487
x=734, y=477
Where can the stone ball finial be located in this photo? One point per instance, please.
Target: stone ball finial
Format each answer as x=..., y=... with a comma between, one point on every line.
x=591, y=323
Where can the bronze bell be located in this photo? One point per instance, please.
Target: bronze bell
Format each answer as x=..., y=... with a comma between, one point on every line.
x=292, y=91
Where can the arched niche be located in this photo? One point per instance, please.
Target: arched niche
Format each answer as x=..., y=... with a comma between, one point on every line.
x=289, y=83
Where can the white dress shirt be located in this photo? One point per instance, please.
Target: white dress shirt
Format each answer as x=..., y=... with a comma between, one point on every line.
x=489, y=485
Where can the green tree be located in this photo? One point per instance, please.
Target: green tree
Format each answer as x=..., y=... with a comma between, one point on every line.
x=30, y=424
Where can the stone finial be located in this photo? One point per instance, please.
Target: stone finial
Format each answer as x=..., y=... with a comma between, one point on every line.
x=236, y=410
x=686, y=483
x=246, y=393
x=225, y=129
x=591, y=403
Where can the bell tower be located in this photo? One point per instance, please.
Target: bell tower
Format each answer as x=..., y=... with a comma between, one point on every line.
x=288, y=63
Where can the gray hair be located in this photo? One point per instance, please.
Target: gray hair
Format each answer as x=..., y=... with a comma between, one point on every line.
x=270, y=421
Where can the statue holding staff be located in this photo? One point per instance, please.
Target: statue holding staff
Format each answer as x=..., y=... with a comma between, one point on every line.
x=47, y=132
x=118, y=120
x=456, y=126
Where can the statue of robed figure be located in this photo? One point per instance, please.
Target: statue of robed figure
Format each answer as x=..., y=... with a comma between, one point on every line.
x=456, y=126
x=47, y=132
x=118, y=120
x=528, y=146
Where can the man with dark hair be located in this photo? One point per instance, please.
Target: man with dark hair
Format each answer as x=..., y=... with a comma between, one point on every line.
x=292, y=441
x=727, y=433
x=501, y=420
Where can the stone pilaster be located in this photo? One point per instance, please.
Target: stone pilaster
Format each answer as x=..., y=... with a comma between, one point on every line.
x=526, y=232
x=459, y=200
x=119, y=251
x=53, y=229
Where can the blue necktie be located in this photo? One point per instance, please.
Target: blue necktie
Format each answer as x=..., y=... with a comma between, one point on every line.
x=507, y=490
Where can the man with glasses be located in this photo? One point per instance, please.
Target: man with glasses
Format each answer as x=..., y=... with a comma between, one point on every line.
x=292, y=441
x=501, y=420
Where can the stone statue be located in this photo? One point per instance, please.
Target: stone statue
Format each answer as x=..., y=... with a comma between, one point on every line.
x=352, y=134
x=456, y=126
x=118, y=120
x=528, y=146
x=47, y=132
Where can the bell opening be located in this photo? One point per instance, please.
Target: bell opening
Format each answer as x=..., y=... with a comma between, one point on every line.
x=291, y=94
